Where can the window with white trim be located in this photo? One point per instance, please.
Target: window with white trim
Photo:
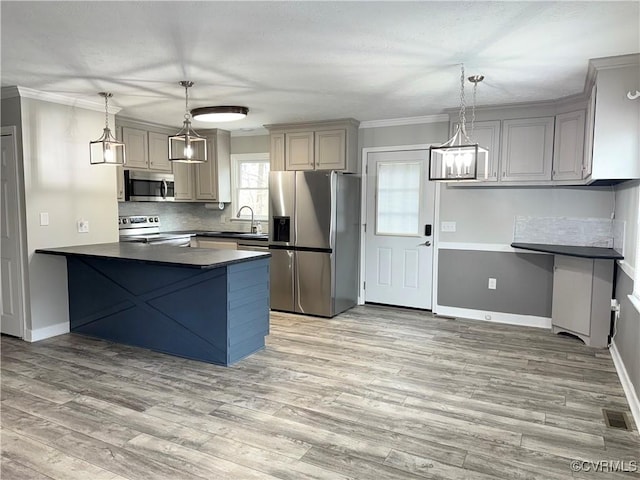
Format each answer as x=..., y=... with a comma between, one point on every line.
x=250, y=185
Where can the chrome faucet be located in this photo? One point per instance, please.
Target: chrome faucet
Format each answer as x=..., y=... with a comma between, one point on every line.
x=253, y=227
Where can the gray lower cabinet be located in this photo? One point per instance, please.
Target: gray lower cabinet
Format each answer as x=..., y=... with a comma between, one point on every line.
x=582, y=289
x=527, y=149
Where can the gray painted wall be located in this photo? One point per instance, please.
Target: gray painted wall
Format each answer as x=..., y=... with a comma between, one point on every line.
x=627, y=337
x=486, y=214
x=250, y=144
x=524, y=281
x=403, y=135
x=627, y=201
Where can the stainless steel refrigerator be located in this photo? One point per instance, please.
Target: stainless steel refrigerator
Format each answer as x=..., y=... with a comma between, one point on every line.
x=314, y=241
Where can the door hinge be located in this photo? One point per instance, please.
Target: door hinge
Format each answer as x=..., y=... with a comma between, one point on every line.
x=364, y=285
x=365, y=228
x=366, y=170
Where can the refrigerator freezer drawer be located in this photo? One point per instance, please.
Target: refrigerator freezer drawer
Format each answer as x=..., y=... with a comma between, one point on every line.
x=314, y=283
x=282, y=291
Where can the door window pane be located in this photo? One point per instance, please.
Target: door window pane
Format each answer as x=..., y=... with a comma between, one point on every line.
x=398, y=198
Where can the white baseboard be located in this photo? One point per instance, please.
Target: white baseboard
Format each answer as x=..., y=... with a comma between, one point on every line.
x=497, y=317
x=627, y=384
x=46, y=332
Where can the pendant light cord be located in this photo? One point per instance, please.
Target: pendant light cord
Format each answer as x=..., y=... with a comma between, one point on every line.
x=473, y=108
x=187, y=114
x=106, y=110
x=463, y=118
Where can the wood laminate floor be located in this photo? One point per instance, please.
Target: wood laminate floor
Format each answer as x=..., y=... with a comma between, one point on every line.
x=375, y=393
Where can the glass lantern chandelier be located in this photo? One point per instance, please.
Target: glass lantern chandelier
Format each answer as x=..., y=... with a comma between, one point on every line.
x=106, y=150
x=458, y=158
x=187, y=146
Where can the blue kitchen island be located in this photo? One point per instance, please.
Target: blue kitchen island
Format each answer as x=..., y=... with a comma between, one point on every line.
x=203, y=304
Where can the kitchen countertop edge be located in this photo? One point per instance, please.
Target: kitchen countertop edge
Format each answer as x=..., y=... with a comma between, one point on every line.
x=598, y=253
x=203, y=258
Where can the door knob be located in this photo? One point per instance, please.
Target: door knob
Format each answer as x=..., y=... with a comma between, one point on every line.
x=425, y=244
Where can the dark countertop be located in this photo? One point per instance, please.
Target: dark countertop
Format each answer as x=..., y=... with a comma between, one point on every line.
x=571, y=251
x=159, y=254
x=261, y=237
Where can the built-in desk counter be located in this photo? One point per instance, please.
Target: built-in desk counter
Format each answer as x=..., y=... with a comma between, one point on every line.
x=582, y=289
x=204, y=304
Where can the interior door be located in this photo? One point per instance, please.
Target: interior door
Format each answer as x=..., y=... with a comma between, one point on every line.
x=400, y=211
x=12, y=318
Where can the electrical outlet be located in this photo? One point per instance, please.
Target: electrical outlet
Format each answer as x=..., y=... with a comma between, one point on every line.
x=83, y=226
x=492, y=284
x=44, y=219
x=447, y=226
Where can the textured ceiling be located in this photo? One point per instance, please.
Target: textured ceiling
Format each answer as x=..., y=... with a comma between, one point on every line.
x=305, y=61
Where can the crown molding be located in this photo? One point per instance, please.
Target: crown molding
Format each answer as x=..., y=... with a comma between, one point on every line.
x=397, y=122
x=24, y=92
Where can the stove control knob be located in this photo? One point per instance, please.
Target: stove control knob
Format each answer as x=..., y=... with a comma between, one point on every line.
x=156, y=219
x=124, y=220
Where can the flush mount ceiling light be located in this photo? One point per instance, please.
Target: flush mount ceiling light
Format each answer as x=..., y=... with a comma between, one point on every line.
x=106, y=150
x=187, y=146
x=220, y=113
x=458, y=158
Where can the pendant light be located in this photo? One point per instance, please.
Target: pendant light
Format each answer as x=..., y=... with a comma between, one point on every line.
x=106, y=150
x=458, y=158
x=187, y=146
x=220, y=113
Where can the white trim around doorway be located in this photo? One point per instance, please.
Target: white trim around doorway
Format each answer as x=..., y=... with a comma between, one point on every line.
x=363, y=216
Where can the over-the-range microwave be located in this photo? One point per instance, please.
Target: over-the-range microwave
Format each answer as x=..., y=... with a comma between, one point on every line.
x=148, y=186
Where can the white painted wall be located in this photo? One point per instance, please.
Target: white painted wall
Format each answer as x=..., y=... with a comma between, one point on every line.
x=59, y=180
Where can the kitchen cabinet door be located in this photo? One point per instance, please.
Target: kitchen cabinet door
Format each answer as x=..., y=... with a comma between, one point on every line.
x=299, y=151
x=527, y=149
x=568, y=146
x=136, y=151
x=330, y=150
x=159, y=152
x=213, y=178
x=588, y=141
x=571, y=307
x=487, y=135
x=184, y=183
x=277, y=152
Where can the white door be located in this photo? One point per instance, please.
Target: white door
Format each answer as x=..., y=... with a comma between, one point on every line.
x=12, y=319
x=398, y=251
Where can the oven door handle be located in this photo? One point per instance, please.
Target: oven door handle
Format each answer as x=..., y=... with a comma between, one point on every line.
x=164, y=189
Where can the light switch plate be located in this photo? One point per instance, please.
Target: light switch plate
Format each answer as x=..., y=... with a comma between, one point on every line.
x=44, y=219
x=447, y=226
x=492, y=284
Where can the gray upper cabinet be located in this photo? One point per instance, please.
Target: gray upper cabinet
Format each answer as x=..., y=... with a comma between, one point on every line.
x=568, y=149
x=299, y=151
x=616, y=118
x=147, y=145
x=329, y=145
x=136, y=148
x=213, y=178
x=277, y=152
x=159, y=152
x=330, y=149
x=527, y=149
x=487, y=135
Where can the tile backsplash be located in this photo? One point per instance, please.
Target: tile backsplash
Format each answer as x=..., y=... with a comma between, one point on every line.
x=585, y=232
x=177, y=216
